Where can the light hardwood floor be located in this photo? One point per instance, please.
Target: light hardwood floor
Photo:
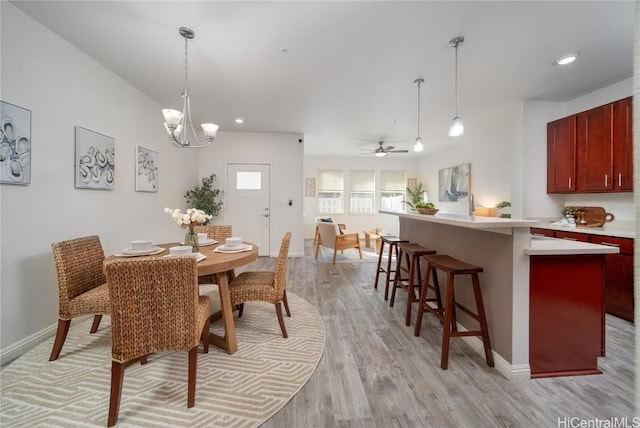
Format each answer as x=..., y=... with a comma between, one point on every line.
x=375, y=373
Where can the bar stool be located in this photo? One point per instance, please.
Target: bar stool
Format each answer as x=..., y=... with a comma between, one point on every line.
x=413, y=253
x=393, y=242
x=447, y=314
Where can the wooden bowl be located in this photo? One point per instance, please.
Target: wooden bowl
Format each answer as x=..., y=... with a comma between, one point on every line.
x=428, y=211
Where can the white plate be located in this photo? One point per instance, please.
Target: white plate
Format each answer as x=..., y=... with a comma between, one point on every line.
x=237, y=249
x=128, y=252
x=198, y=256
x=205, y=243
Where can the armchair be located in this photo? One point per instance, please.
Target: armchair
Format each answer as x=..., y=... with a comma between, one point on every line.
x=329, y=236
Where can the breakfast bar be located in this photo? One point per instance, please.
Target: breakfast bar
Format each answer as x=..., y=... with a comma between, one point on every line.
x=503, y=247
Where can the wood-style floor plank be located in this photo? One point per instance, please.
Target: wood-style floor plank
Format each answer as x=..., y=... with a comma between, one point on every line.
x=375, y=373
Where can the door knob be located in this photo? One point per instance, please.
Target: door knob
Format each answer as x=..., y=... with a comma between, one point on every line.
x=265, y=215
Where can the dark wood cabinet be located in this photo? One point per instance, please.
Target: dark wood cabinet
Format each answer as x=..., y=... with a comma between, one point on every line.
x=542, y=232
x=623, y=137
x=618, y=277
x=566, y=317
x=561, y=155
x=618, y=269
x=572, y=236
x=594, y=143
x=591, y=151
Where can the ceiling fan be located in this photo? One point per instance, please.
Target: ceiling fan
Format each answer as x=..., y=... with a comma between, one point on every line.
x=383, y=150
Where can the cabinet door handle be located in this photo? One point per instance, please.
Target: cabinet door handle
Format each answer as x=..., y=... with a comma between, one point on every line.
x=569, y=182
x=611, y=244
x=606, y=180
x=620, y=179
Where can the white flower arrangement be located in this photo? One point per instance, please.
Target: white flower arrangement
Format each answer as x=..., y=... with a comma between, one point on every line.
x=193, y=217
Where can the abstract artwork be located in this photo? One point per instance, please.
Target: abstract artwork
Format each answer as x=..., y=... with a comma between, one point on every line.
x=15, y=144
x=95, y=160
x=146, y=170
x=453, y=183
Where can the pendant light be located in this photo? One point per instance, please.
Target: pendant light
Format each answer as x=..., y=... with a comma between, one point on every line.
x=418, y=146
x=457, y=127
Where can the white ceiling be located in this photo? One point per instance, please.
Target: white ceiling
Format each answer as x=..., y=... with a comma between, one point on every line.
x=348, y=74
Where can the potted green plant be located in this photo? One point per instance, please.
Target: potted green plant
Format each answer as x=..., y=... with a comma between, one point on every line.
x=504, y=204
x=426, y=208
x=414, y=195
x=203, y=197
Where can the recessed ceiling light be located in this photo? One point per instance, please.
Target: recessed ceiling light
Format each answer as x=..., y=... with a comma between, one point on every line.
x=566, y=59
x=239, y=120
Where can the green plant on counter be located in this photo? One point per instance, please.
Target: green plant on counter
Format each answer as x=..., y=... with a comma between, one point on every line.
x=426, y=205
x=569, y=211
x=415, y=195
x=203, y=197
x=504, y=204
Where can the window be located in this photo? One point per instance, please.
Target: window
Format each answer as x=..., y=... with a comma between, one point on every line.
x=362, y=188
x=392, y=190
x=248, y=180
x=330, y=190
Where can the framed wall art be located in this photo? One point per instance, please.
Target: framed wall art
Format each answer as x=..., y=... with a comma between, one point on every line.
x=310, y=187
x=146, y=170
x=15, y=144
x=453, y=183
x=95, y=160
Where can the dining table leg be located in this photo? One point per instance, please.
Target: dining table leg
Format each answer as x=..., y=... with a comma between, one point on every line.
x=229, y=342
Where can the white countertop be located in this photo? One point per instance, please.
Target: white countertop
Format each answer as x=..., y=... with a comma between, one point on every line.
x=608, y=229
x=544, y=246
x=473, y=222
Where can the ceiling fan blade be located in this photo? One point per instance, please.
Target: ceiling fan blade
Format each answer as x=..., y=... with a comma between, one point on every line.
x=397, y=151
x=388, y=148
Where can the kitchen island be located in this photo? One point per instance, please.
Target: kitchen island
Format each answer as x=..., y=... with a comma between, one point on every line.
x=500, y=246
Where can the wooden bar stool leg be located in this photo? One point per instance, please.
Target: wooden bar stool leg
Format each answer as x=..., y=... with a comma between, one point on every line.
x=410, y=289
x=422, y=302
x=446, y=334
x=396, y=277
x=477, y=291
x=391, y=247
x=375, y=285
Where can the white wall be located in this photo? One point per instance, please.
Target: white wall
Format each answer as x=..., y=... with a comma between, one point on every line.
x=285, y=155
x=63, y=88
x=491, y=159
x=355, y=222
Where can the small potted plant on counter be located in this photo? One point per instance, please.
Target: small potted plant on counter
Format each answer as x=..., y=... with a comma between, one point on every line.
x=426, y=208
x=570, y=214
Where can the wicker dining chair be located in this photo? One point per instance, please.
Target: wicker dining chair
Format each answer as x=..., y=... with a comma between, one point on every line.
x=82, y=288
x=266, y=286
x=219, y=232
x=155, y=307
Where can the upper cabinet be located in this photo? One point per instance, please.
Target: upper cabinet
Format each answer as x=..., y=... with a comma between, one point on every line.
x=561, y=155
x=623, y=138
x=591, y=151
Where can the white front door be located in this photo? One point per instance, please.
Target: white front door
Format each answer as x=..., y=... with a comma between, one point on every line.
x=248, y=203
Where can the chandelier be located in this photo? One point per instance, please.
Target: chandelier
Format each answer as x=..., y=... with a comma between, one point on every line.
x=179, y=123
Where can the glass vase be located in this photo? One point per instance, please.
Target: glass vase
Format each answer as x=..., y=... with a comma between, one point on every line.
x=192, y=239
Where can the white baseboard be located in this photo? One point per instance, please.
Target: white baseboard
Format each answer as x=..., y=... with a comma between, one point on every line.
x=504, y=367
x=19, y=348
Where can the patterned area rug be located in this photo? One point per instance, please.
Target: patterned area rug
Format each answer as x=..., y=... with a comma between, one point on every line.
x=239, y=390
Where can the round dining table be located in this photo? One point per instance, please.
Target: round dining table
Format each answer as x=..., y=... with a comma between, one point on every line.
x=221, y=265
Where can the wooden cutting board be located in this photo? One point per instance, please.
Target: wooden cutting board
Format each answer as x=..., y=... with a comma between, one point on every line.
x=593, y=216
